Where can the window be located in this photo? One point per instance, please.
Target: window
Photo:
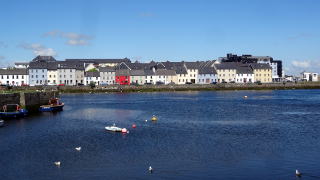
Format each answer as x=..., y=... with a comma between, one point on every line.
x=49, y=76
x=42, y=76
x=36, y=76
x=12, y=76
x=17, y=77
x=42, y=70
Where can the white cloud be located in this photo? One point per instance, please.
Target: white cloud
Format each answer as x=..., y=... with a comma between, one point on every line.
x=73, y=39
x=301, y=64
x=39, y=49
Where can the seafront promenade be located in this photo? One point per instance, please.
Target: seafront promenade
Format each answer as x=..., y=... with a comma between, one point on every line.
x=164, y=88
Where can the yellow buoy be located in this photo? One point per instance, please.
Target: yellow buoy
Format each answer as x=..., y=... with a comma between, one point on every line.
x=154, y=118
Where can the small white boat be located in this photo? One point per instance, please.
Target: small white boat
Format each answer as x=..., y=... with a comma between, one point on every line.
x=1, y=122
x=113, y=128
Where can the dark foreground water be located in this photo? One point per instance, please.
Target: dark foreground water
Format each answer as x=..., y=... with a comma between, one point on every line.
x=199, y=135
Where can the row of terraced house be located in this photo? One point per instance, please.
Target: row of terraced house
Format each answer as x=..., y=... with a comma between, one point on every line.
x=46, y=70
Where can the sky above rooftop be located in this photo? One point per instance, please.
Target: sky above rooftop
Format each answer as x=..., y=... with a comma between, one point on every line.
x=161, y=30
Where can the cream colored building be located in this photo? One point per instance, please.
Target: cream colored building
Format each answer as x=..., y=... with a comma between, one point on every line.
x=226, y=71
x=262, y=73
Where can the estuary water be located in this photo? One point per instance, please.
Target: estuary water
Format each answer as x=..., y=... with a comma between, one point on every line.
x=198, y=135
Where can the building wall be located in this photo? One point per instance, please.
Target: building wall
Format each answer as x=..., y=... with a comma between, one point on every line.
x=192, y=75
x=79, y=76
x=172, y=79
x=67, y=76
x=107, y=77
x=182, y=78
x=226, y=75
x=14, y=80
x=38, y=76
x=88, y=80
x=263, y=75
x=245, y=78
x=123, y=80
x=52, y=77
x=206, y=78
x=137, y=79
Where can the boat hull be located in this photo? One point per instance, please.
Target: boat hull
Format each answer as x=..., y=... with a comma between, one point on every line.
x=54, y=108
x=13, y=115
x=1, y=123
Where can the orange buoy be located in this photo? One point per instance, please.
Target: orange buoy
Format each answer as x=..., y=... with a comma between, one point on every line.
x=124, y=130
x=134, y=125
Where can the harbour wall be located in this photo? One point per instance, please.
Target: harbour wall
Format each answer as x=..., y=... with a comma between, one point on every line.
x=29, y=100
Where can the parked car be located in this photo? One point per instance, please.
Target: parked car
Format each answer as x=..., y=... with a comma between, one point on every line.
x=159, y=83
x=214, y=83
x=134, y=84
x=259, y=82
x=189, y=83
x=80, y=84
x=61, y=84
x=232, y=82
x=148, y=83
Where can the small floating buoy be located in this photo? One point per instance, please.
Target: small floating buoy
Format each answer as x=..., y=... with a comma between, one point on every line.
x=298, y=173
x=146, y=120
x=154, y=118
x=245, y=97
x=150, y=169
x=134, y=125
x=124, y=130
x=57, y=163
x=78, y=148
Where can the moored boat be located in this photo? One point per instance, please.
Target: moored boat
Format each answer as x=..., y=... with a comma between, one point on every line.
x=12, y=111
x=113, y=128
x=54, y=105
x=1, y=123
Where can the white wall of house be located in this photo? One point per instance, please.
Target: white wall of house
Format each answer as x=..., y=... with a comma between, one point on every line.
x=150, y=79
x=52, y=77
x=88, y=80
x=38, y=76
x=182, y=78
x=67, y=76
x=310, y=76
x=14, y=80
x=192, y=75
x=244, y=78
x=137, y=79
x=79, y=76
x=206, y=78
x=107, y=77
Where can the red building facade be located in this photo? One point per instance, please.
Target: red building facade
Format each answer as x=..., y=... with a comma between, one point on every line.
x=123, y=77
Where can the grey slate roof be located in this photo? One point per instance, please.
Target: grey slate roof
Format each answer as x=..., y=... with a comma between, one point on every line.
x=43, y=59
x=122, y=72
x=260, y=66
x=92, y=74
x=165, y=72
x=13, y=72
x=70, y=65
x=227, y=65
x=137, y=73
x=193, y=65
x=107, y=69
x=244, y=70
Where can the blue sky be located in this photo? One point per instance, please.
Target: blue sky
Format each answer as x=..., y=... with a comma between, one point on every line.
x=162, y=30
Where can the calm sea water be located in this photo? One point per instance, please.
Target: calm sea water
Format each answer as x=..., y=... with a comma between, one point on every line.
x=199, y=135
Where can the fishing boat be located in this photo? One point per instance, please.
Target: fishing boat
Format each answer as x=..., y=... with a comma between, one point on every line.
x=54, y=105
x=113, y=128
x=12, y=111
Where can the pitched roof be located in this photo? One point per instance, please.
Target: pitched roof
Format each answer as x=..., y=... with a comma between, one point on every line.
x=92, y=74
x=122, y=72
x=13, y=71
x=43, y=59
x=260, y=66
x=227, y=65
x=107, y=69
x=70, y=65
x=244, y=70
x=165, y=72
x=137, y=73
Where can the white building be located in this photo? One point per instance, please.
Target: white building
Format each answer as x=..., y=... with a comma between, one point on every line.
x=207, y=75
x=38, y=69
x=308, y=76
x=107, y=75
x=92, y=77
x=14, y=77
x=244, y=74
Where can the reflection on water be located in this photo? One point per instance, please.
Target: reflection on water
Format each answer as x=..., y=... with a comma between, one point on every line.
x=199, y=135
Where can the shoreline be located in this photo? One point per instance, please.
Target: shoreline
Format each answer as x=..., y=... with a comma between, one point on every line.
x=163, y=88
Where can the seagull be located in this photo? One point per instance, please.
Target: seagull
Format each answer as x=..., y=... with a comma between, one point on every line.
x=78, y=148
x=298, y=173
x=57, y=163
x=146, y=120
x=150, y=169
